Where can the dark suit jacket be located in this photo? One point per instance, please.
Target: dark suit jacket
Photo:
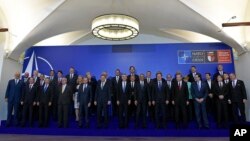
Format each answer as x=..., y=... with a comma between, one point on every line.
x=45, y=96
x=25, y=79
x=191, y=78
x=103, y=95
x=123, y=97
x=199, y=94
x=84, y=97
x=93, y=84
x=115, y=85
x=29, y=95
x=72, y=82
x=180, y=95
x=132, y=90
x=65, y=98
x=155, y=80
x=13, y=91
x=221, y=91
x=160, y=95
x=238, y=93
x=169, y=89
x=210, y=90
x=150, y=87
x=37, y=82
x=216, y=74
x=53, y=81
x=136, y=78
x=142, y=93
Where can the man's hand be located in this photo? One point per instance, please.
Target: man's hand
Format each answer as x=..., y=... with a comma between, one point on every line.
x=149, y=103
x=167, y=102
x=187, y=102
x=198, y=100
x=34, y=103
x=229, y=101
x=244, y=100
x=21, y=102
x=50, y=103
x=135, y=102
x=210, y=95
x=153, y=103
x=95, y=103
x=118, y=102
x=37, y=103
x=89, y=104
x=201, y=100
x=129, y=102
x=221, y=96
x=173, y=102
x=109, y=102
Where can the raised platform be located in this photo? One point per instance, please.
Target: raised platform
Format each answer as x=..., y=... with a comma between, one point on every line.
x=113, y=130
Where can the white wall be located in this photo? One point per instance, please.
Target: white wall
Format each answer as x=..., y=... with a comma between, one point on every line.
x=242, y=67
x=9, y=67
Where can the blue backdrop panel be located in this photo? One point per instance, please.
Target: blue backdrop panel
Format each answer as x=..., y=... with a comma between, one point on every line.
x=98, y=58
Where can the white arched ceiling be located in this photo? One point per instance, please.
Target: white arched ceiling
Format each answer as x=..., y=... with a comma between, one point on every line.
x=148, y=37
x=190, y=36
x=220, y=11
x=63, y=39
x=25, y=15
x=48, y=18
x=4, y=38
x=247, y=29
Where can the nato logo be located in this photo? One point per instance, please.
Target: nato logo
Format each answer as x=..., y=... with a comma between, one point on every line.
x=184, y=57
x=39, y=63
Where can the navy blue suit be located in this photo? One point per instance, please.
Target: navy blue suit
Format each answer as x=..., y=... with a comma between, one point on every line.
x=44, y=97
x=236, y=95
x=29, y=96
x=13, y=94
x=64, y=100
x=102, y=96
x=160, y=95
x=123, y=96
x=84, y=97
x=200, y=108
x=142, y=97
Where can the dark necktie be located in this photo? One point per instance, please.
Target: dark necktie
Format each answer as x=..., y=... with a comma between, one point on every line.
x=84, y=86
x=199, y=86
x=123, y=87
x=159, y=85
x=30, y=87
x=117, y=79
x=179, y=85
x=234, y=84
x=45, y=88
x=102, y=85
x=142, y=84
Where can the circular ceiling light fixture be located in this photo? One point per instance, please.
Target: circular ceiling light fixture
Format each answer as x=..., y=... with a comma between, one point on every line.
x=115, y=27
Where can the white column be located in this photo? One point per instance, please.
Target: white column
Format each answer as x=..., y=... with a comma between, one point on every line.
x=242, y=72
x=7, y=69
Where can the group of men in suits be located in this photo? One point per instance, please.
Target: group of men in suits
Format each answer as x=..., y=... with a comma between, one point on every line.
x=131, y=96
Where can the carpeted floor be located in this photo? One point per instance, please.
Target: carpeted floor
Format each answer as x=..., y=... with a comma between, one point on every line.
x=113, y=130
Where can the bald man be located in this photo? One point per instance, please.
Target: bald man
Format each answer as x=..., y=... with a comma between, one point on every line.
x=12, y=96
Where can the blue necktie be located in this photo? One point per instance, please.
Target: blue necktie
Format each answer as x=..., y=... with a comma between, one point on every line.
x=45, y=88
x=159, y=85
x=123, y=87
x=199, y=86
